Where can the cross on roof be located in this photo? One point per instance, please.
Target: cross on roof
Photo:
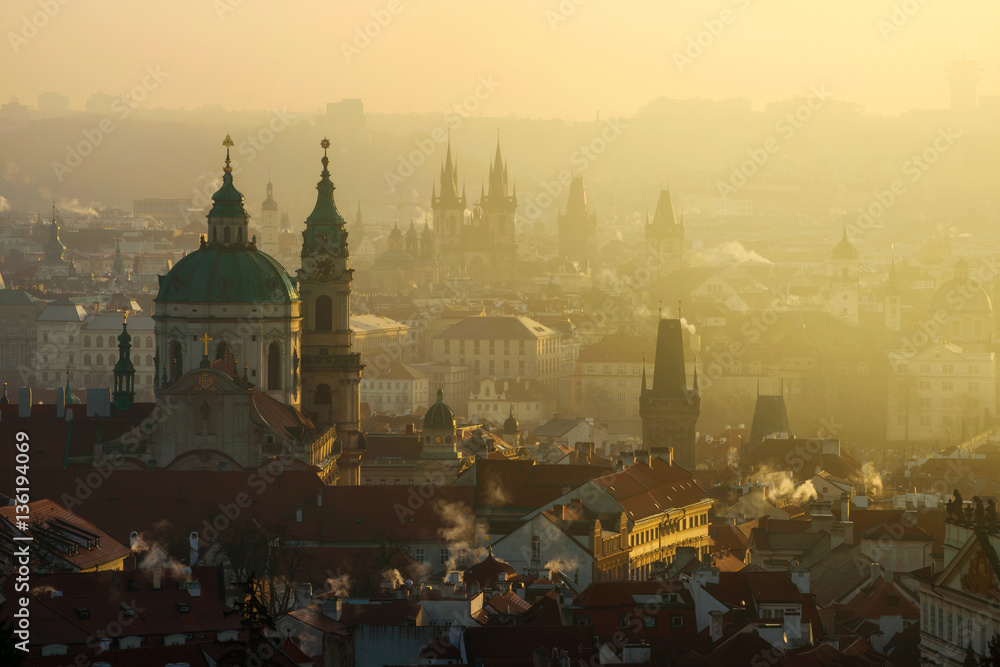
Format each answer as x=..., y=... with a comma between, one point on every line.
x=228, y=142
x=204, y=339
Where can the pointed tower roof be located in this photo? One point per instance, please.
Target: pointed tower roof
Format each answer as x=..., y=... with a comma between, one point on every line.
x=325, y=225
x=69, y=397
x=227, y=202
x=118, y=266
x=269, y=203
x=449, y=176
x=664, y=220
x=669, y=374
x=498, y=174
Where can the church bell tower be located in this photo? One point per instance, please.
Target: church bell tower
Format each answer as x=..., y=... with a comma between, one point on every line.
x=331, y=372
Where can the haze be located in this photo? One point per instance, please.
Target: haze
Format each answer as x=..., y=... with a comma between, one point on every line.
x=604, y=56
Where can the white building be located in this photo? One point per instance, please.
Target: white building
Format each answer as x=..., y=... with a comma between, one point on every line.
x=399, y=390
x=939, y=392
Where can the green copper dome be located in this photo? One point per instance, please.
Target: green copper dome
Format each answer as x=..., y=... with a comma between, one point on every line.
x=440, y=417
x=218, y=275
x=227, y=268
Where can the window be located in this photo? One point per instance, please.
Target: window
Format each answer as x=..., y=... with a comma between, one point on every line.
x=649, y=621
x=948, y=386
x=677, y=622
x=324, y=314
x=418, y=554
x=445, y=555
x=536, y=547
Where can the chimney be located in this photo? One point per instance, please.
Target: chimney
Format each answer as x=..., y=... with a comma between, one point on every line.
x=303, y=595
x=845, y=507
x=99, y=402
x=193, y=545
x=793, y=627
x=706, y=575
x=298, y=513
x=888, y=576
x=821, y=517
x=24, y=402
x=157, y=577
x=332, y=608
x=716, y=627
x=800, y=577
x=876, y=571
x=194, y=588
x=319, y=497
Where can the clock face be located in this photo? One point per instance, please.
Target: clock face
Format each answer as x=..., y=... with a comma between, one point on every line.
x=324, y=268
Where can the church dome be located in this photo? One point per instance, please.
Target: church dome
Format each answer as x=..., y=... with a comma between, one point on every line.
x=510, y=425
x=227, y=268
x=439, y=417
x=220, y=275
x=845, y=249
x=961, y=294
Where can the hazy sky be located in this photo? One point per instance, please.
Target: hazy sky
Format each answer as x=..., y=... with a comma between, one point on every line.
x=603, y=55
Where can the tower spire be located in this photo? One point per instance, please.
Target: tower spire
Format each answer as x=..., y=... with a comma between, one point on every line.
x=124, y=394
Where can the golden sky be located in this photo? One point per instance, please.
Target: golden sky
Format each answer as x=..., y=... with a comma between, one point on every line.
x=549, y=58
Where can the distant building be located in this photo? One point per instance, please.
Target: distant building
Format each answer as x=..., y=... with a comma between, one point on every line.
x=172, y=212
x=664, y=238
x=53, y=104
x=607, y=381
x=504, y=347
x=578, y=227
x=483, y=248
x=400, y=389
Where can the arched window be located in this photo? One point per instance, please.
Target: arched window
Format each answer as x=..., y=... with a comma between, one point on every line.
x=99, y=361
x=149, y=360
x=86, y=360
x=176, y=361
x=100, y=342
x=111, y=341
x=324, y=314
x=215, y=234
x=227, y=236
x=224, y=352
x=324, y=398
x=274, y=367
x=86, y=341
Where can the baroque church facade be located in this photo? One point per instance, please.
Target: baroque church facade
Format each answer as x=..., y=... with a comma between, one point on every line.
x=253, y=363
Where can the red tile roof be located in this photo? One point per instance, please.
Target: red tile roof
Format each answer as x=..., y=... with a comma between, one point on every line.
x=71, y=538
x=644, y=490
